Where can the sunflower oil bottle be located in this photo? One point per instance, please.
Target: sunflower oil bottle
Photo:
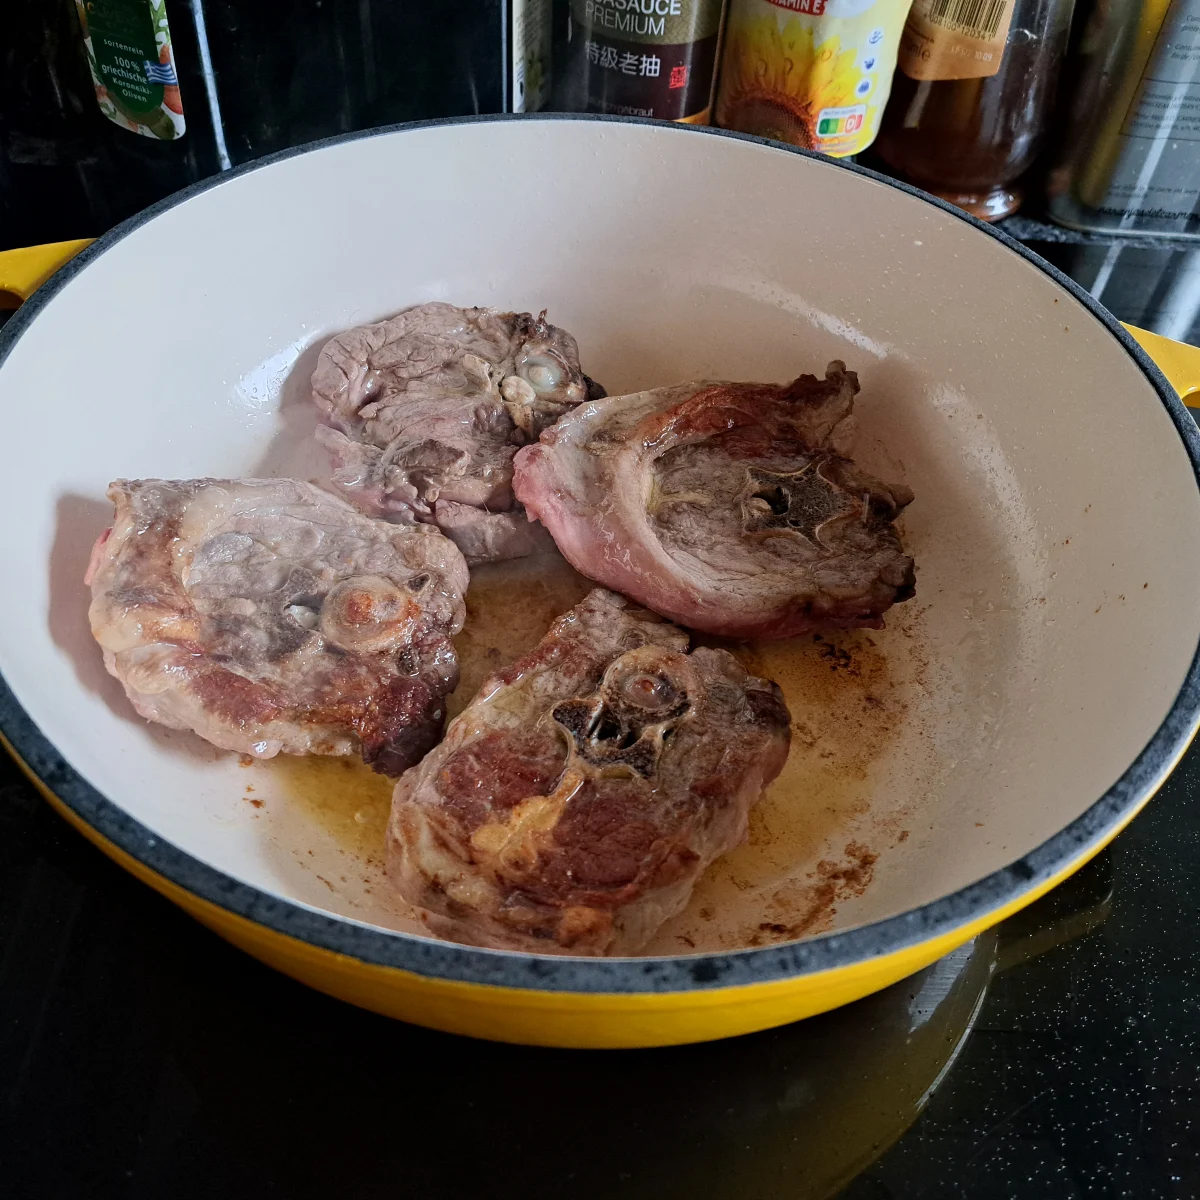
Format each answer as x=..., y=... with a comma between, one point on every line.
x=815, y=73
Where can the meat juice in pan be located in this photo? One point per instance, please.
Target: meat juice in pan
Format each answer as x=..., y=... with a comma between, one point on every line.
x=848, y=708
x=579, y=797
x=812, y=844
x=813, y=836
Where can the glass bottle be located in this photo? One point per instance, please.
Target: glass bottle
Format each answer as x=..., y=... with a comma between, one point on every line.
x=252, y=78
x=641, y=58
x=969, y=105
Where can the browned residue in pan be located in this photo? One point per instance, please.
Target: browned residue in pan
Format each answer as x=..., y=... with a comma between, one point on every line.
x=509, y=608
x=814, y=838
x=817, y=833
x=805, y=908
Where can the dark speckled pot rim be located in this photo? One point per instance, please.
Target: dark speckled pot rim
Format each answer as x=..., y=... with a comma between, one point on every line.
x=445, y=960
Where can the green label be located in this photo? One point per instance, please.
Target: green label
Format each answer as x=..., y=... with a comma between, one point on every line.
x=650, y=22
x=133, y=66
x=532, y=22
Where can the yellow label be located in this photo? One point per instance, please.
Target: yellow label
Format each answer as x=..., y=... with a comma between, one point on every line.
x=955, y=39
x=815, y=73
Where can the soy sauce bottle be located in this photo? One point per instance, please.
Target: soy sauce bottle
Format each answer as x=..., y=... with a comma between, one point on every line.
x=641, y=58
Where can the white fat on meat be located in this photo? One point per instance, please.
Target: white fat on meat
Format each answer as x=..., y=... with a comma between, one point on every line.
x=422, y=414
x=268, y=615
x=733, y=508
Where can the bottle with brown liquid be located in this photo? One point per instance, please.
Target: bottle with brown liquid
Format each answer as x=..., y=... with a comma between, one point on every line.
x=971, y=97
x=641, y=58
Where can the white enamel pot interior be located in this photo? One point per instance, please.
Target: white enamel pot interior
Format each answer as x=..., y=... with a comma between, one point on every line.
x=1003, y=725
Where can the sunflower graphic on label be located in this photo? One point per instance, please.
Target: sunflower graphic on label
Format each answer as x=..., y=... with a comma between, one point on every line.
x=814, y=73
x=128, y=44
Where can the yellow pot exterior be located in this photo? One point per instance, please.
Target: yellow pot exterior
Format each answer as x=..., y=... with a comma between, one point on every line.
x=559, y=1018
x=1178, y=361
x=23, y=271
x=576, y=1020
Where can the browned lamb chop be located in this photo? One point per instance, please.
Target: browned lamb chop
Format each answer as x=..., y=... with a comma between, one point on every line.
x=425, y=411
x=268, y=615
x=572, y=806
x=730, y=507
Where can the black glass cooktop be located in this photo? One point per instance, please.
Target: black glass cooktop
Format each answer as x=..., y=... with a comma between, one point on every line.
x=1055, y=1057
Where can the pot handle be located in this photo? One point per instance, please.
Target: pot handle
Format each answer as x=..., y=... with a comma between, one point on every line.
x=22, y=272
x=1178, y=361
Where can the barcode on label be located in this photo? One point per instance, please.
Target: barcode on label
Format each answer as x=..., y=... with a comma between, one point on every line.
x=980, y=18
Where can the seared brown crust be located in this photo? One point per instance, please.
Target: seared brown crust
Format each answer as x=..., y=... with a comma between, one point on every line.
x=423, y=413
x=729, y=507
x=267, y=615
x=572, y=806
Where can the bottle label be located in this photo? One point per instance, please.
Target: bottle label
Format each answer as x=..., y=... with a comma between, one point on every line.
x=815, y=73
x=1168, y=101
x=649, y=58
x=128, y=45
x=955, y=39
x=532, y=31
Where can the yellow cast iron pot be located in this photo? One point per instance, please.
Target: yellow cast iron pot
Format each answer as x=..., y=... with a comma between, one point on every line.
x=946, y=771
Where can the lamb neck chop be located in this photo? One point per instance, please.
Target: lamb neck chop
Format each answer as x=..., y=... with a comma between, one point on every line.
x=733, y=508
x=267, y=615
x=574, y=803
x=424, y=412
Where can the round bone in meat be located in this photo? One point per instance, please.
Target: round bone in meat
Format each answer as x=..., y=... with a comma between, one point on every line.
x=267, y=615
x=729, y=507
x=423, y=413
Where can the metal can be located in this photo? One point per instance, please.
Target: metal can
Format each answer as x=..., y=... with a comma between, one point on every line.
x=1131, y=158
